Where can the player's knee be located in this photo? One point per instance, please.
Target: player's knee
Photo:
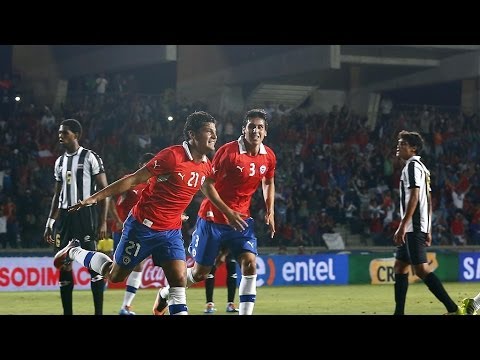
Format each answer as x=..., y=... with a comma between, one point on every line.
x=249, y=265
x=201, y=277
x=116, y=275
x=67, y=267
x=138, y=268
x=399, y=267
x=198, y=276
x=177, y=280
x=421, y=271
x=116, y=278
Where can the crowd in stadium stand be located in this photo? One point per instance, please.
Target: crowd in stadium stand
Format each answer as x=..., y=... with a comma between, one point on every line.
x=333, y=171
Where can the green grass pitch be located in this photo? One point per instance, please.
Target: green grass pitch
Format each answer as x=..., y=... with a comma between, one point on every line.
x=288, y=300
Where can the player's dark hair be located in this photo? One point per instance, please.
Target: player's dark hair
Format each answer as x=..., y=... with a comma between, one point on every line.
x=255, y=113
x=195, y=121
x=74, y=126
x=413, y=139
x=146, y=158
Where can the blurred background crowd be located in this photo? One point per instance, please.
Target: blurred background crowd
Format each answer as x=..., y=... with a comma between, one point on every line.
x=335, y=174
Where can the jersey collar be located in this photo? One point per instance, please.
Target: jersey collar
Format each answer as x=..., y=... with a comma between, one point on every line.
x=189, y=154
x=79, y=150
x=243, y=149
x=414, y=157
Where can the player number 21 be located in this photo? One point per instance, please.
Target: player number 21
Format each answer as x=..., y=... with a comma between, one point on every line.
x=193, y=181
x=130, y=246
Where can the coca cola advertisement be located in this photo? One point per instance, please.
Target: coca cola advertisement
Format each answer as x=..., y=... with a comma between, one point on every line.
x=154, y=277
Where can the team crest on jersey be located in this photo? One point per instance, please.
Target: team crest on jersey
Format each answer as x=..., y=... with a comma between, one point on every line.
x=86, y=238
x=263, y=168
x=126, y=260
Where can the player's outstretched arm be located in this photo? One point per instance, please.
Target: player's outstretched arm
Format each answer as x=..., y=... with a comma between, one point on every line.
x=115, y=188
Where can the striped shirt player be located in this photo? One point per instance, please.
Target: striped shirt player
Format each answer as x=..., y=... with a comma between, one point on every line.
x=413, y=235
x=78, y=173
x=416, y=175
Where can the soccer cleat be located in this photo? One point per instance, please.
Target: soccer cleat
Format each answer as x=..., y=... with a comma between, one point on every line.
x=160, y=306
x=61, y=258
x=468, y=306
x=209, y=308
x=460, y=311
x=126, y=311
x=231, y=308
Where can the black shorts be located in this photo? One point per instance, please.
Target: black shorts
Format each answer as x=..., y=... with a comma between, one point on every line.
x=81, y=225
x=414, y=251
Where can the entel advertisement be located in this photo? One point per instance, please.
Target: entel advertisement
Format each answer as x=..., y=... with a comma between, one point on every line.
x=469, y=266
x=283, y=270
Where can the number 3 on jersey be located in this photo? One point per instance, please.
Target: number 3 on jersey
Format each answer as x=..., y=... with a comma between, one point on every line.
x=252, y=169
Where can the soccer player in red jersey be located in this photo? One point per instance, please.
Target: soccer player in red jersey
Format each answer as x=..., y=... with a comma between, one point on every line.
x=239, y=167
x=154, y=224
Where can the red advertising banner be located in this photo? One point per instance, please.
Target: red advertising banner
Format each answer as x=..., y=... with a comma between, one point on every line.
x=38, y=273
x=154, y=277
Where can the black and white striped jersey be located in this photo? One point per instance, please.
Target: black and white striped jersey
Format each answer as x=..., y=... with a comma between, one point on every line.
x=77, y=173
x=416, y=175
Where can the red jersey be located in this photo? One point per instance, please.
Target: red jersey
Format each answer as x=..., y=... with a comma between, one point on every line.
x=237, y=176
x=125, y=203
x=177, y=180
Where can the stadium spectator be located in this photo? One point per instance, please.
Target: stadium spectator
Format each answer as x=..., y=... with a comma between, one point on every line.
x=3, y=227
x=78, y=172
x=10, y=210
